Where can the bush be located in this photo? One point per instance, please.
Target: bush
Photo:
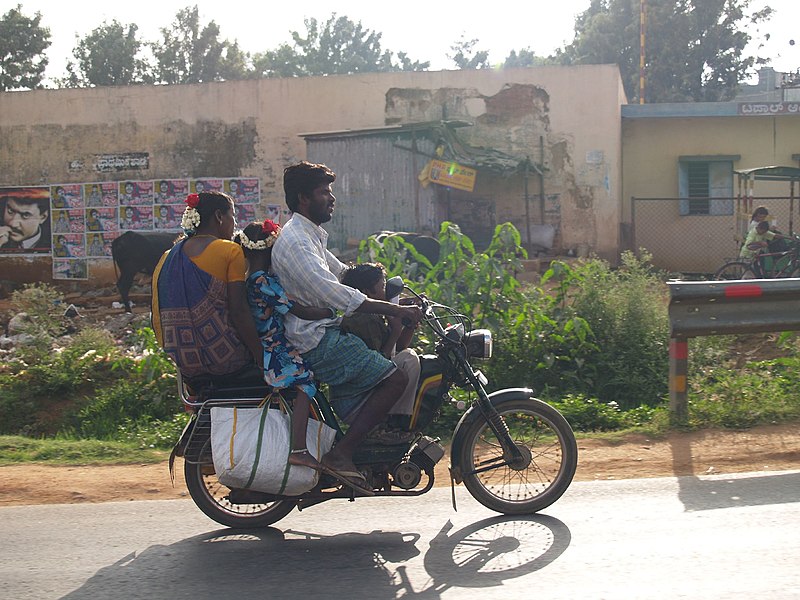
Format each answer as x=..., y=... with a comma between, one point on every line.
x=480, y=285
x=153, y=433
x=543, y=347
x=761, y=392
x=144, y=390
x=90, y=387
x=588, y=414
x=626, y=311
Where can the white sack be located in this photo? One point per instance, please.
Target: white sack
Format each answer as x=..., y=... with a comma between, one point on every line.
x=240, y=463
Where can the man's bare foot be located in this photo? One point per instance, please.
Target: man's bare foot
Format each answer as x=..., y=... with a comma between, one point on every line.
x=304, y=459
x=346, y=472
x=337, y=462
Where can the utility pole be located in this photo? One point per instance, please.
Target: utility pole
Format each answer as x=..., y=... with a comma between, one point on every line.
x=642, y=31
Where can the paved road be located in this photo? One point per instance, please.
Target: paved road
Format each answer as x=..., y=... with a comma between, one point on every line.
x=709, y=537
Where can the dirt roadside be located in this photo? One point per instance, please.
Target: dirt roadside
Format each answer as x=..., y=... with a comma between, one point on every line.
x=764, y=448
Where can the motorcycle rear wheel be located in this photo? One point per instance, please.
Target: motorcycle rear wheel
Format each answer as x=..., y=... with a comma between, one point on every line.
x=550, y=457
x=210, y=496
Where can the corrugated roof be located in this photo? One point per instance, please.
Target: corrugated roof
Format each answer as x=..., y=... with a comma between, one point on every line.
x=444, y=135
x=772, y=173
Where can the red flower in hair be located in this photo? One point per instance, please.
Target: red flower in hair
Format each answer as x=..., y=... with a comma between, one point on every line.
x=269, y=226
x=193, y=200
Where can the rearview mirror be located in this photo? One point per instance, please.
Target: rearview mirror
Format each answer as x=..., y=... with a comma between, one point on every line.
x=394, y=285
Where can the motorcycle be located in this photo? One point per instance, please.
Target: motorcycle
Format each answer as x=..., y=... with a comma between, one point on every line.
x=514, y=453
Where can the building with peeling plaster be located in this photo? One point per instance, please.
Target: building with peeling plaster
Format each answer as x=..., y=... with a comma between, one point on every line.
x=562, y=122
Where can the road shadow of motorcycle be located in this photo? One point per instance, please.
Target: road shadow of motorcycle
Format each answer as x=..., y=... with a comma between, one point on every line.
x=296, y=564
x=493, y=550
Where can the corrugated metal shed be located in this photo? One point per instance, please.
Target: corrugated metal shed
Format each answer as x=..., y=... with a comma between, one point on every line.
x=376, y=181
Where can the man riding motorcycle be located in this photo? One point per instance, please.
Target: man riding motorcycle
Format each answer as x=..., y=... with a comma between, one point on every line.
x=364, y=385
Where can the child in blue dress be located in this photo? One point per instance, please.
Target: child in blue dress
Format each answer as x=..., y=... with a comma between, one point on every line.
x=283, y=365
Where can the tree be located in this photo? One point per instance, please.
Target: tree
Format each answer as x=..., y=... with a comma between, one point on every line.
x=109, y=55
x=525, y=58
x=191, y=54
x=465, y=57
x=339, y=47
x=694, y=48
x=22, y=44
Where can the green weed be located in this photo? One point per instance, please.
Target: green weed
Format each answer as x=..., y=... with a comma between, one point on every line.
x=19, y=449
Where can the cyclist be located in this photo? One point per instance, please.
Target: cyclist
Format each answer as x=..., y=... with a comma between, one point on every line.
x=757, y=243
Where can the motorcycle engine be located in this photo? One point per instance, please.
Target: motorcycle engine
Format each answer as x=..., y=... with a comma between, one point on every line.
x=406, y=475
x=424, y=456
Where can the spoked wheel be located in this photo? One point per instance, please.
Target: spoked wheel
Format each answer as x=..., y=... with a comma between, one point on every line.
x=734, y=270
x=212, y=498
x=549, y=458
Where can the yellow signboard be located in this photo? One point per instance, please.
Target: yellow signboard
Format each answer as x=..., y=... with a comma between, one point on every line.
x=452, y=175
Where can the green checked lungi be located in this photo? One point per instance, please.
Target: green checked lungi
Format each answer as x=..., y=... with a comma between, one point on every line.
x=349, y=367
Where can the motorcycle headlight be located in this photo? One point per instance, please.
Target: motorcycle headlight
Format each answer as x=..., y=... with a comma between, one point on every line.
x=479, y=343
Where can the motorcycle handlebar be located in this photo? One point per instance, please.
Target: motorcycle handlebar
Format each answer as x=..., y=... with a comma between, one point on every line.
x=428, y=314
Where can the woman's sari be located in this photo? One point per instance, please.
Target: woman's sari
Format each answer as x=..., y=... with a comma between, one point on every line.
x=191, y=320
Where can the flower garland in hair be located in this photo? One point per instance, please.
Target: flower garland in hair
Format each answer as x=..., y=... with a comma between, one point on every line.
x=269, y=227
x=190, y=220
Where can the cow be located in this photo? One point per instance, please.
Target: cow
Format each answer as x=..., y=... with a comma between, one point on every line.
x=425, y=245
x=137, y=252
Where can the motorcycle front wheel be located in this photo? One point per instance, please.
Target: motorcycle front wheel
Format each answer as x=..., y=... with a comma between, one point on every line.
x=549, y=458
x=211, y=497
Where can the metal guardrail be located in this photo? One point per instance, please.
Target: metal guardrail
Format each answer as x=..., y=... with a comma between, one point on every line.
x=699, y=308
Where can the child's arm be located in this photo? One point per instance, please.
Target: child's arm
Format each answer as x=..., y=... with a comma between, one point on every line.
x=404, y=341
x=312, y=313
x=400, y=337
x=395, y=331
x=756, y=245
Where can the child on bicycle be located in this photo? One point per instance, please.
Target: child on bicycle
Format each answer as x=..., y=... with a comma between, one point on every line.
x=283, y=365
x=756, y=243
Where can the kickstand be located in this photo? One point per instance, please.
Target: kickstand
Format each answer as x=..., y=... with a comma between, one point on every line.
x=453, y=492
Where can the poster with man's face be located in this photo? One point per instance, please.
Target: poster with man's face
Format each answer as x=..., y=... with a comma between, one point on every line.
x=199, y=186
x=245, y=214
x=243, y=191
x=135, y=193
x=135, y=218
x=70, y=268
x=68, y=245
x=171, y=191
x=101, y=219
x=67, y=195
x=67, y=221
x=25, y=220
x=99, y=244
x=167, y=217
x=104, y=193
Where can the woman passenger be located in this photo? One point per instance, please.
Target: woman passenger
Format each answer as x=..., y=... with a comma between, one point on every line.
x=200, y=313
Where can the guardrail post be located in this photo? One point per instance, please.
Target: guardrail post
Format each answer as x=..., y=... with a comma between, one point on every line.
x=699, y=308
x=678, y=369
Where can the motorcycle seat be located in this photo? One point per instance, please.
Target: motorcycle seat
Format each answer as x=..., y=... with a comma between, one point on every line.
x=246, y=383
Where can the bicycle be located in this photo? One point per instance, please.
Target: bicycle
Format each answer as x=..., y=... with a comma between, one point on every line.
x=785, y=263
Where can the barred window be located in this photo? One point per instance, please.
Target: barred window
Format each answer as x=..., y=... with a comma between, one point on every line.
x=706, y=186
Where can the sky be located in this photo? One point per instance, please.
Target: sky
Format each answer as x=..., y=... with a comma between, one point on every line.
x=424, y=30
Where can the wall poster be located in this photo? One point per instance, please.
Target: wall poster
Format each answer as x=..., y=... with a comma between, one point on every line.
x=74, y=222
x=25, y=222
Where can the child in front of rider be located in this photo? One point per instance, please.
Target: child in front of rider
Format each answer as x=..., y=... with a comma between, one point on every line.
x=387, y=335
x=283, y=365
x=756, y=243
